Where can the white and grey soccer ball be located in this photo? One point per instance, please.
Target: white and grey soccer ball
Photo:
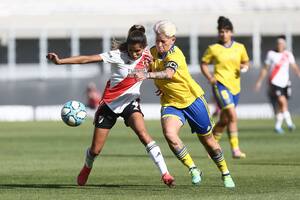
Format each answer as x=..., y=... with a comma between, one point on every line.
x=73, y=113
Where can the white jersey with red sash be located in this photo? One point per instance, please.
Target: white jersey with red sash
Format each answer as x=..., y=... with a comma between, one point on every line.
x=121, y=89
x=279, y=67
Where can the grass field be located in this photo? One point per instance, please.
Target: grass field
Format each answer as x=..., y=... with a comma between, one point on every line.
x=40, y=160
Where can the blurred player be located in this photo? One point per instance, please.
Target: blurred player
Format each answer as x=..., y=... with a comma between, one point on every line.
x=121, y=98
x=229, y=58
x=182, y=99
x=93, y=96
x=277, y=67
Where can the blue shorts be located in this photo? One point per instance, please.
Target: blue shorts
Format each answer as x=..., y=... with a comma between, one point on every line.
x=224, y=97
x=197, y=115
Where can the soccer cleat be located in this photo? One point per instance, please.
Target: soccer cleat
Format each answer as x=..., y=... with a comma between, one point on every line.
x=279, y=131
x=228, y=182
x=238, y=154
x=292, y=128
x=83, y=175
x=168, y=180
x=196, y=175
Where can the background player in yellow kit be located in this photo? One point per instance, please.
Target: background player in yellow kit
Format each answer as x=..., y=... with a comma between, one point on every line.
x=181, y=100
x=229, y=58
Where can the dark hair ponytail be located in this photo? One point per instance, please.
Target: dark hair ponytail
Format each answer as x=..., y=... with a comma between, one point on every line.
x=134, y=37
x=224, y=23
x=281, y=37
x=137, y=27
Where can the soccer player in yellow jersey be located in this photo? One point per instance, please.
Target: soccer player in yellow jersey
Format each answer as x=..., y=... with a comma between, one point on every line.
x=229, y=59
x=181, y=99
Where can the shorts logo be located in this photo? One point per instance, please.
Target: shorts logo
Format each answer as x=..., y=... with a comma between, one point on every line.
x=278, y=92
x=208, y=128
x=100, y=119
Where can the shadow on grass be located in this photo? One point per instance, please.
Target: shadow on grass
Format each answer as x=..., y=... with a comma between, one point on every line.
x=141, y=156
x=268, y=163
x=98, y=186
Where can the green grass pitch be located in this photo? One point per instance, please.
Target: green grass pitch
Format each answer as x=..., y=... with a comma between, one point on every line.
x=41, y=160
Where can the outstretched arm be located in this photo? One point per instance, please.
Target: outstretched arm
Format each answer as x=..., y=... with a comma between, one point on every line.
x=74, y=59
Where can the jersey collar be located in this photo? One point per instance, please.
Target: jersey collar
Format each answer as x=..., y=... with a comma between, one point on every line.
x=164, y=55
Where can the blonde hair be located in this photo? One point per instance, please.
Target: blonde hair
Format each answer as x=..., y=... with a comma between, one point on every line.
x=165, y=27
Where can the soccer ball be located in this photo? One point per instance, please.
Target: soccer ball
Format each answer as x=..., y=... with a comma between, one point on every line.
x=73, y=113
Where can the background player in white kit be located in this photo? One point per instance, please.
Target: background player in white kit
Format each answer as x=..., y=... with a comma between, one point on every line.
x=120, y=98
x=277, y=67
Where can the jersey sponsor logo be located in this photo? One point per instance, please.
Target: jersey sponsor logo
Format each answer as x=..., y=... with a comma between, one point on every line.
x=172, y=64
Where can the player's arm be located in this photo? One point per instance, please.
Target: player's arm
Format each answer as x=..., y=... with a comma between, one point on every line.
x=244, y=66
x=168, y=73
x=205, y=71
x=262, y=75
x=296, y=69
x=74, y=59
x=244, y=60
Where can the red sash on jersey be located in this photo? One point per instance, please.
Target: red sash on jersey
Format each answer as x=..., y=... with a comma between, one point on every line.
x=111, y=94
x=278, y=66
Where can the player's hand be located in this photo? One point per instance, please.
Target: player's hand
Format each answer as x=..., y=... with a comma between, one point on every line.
x=148, y=60
x=53, y=58
x=158, y=92
x=244, y=68
x=139, y=75
x=212, y=80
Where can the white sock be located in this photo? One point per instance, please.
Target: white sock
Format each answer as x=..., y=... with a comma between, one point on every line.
x=279, y=120
x=89, y=159
x=157, y=157
x=288, y=118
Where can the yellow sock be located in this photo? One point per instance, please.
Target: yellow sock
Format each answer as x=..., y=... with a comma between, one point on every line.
x=217, y=136
x=234, y=140
x=220, y=162
x=185, y=158
x=222, y=167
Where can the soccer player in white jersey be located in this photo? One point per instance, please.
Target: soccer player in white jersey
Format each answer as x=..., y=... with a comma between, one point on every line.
x=121, y=98
x=277, y=67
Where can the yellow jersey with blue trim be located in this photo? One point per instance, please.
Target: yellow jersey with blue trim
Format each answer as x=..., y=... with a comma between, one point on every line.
x=180, y=91
x=227, y=61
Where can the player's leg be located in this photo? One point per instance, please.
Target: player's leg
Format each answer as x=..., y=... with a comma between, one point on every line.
x=220, y=126
x=99, y=138
x=221, y=99
x=214, y=150
x=134, y=118
x=283, y=102
x=274, y=96
x=233, y=133
x=171, y=122
x=201, y=123
x=104, y=120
